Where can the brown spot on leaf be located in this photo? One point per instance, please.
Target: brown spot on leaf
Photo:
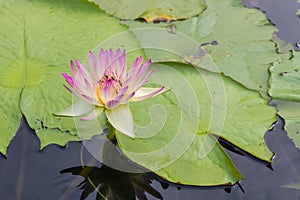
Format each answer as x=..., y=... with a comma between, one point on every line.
x=282, y=73
x=160, y=18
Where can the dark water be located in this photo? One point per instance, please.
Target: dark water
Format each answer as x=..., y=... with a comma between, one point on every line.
x=56, y=173
x=281, y=13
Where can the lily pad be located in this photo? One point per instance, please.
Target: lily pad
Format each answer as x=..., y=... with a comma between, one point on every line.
x=152, y=10
x=285, y=90
x=202, y=105
x=9, y=121
x=281, y=45
x=39, y=39
x=237, y=39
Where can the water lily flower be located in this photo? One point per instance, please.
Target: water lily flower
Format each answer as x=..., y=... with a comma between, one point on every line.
x=109, y=88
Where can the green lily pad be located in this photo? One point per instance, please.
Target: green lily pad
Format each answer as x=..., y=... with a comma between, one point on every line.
x=285, y=79
x=285, y=90
x=201, y=105
x=281, y=45
x=39, y=39
x=9, y=121
x=237, y=40
x=152, y=10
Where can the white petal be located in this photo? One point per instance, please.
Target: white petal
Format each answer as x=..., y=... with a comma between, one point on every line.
x=77, y=109
x=121, y=119
x=145, y=93
x=94, y=114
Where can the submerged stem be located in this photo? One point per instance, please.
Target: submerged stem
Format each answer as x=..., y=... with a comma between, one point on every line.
x=111, y=135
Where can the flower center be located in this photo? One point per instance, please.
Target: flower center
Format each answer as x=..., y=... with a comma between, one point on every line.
x=108, y=87
x=108, y=81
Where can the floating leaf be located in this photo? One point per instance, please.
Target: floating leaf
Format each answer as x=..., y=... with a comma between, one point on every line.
x=177, y=141
x=237, y=40
x=281, y=45
x=9, y=121
x=39, y=39
x=285, y=90
x=285, y=79
x=152, y=10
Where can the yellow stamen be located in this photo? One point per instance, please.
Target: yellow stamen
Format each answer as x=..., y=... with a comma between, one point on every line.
x=99, y=95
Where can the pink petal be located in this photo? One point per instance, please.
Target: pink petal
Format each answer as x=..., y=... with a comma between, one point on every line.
x=137, y=63
x=121, y=64
x=69, y=79
x=89, y=86
x=144, y=81
x=144, y=68
x=116, y=101
x=119, y=97
x=73, y=67
x=105, y=93
x=83, y=97
x=76, y=84
x=101, y=62
x=117, y=64
x=112, y=104
x=82, y=71
x=93, y=63
x=141, y=72
x=121, y=94
x=129, y=97
x=123, y=90
x=124, y=65
x=70, y=90
x=135, y=66
x=136, y=76
x=127, y=81
x=145, y=93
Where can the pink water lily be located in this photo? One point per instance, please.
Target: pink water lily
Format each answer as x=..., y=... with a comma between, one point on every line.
x=109, y=88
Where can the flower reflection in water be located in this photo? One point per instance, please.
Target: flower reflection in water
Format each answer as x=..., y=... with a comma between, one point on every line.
x=113, y=184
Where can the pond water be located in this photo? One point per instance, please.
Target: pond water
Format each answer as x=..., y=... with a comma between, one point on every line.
x=56, y=173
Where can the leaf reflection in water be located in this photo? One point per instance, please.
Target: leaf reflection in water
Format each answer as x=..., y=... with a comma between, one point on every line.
x=113, y=184
x=115, y=177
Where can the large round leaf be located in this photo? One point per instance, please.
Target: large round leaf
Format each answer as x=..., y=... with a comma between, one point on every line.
x=176, y=139
x=38, y=39
x=152, y=10
x=237, y=39
x=10, y=115
x=285, y=91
